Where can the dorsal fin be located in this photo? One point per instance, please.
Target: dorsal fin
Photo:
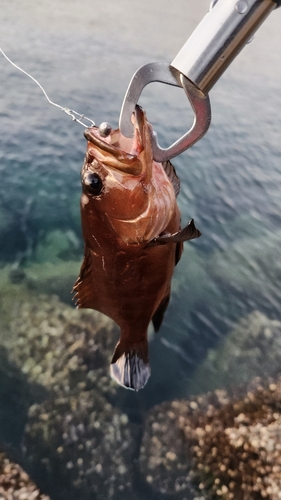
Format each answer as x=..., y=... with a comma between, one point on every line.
x=171, y=173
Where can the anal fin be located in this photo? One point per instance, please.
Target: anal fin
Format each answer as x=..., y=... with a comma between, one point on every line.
x=130, y=366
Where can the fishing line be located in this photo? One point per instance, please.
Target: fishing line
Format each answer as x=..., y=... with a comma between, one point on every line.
x=76, y=117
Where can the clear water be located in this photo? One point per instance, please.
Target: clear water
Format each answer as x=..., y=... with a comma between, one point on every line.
x=84, y=54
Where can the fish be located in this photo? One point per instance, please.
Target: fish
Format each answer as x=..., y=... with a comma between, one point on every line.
x=131, y=226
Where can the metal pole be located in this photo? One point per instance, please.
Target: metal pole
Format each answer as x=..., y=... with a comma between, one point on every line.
x=218, y=39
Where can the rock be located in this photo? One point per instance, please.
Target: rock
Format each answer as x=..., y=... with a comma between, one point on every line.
x=11, y=296
x=15, y=398
x=251, y=349
x=56, y=346
x=57, y=246
x=49, y=278
x=263, y=268
x=17, y=276
x=224, y=447
x=75, y=438
x=60, y=347
x=163, y=440
x=56, y=277
x=83, y=444
x=11, y=237
x=15, y=484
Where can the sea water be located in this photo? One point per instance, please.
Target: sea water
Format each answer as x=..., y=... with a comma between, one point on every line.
x=84, y=55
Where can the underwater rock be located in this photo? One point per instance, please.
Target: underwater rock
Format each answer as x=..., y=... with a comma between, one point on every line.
x=57, y=246
x=17, y=276
x=166, y=454
x=250, y=264
x=15, y=484
x=74, y=437
x=13, y=241
x=48, y=278
x=60, y=347
x=83, y=444
x=16, y=396
x=217, y=445
x=56, y=346
x=53, y=278
x=251, y=349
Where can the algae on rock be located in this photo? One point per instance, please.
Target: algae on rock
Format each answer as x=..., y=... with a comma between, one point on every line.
x=80, y=441
x=218, y=445
x=15, y=484
x=75, y=437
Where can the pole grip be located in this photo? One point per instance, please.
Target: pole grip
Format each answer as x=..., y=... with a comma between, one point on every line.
x=218, y=39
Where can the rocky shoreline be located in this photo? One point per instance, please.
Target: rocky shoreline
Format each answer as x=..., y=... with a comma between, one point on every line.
x=69, y=429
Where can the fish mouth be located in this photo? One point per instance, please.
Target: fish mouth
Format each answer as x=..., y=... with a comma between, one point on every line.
x=116, y=143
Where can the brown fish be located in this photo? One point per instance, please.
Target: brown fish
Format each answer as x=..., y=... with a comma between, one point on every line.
x=133, y=240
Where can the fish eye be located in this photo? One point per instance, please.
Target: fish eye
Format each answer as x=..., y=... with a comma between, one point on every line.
x=93, y=183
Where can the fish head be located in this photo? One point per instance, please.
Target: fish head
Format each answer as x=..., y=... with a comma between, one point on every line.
x=117, y=183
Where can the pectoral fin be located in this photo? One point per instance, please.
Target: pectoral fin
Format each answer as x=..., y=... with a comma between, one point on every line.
x=187, y=233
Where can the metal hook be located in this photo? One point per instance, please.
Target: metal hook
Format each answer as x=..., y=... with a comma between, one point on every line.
x=163, y=73
x=202, y=118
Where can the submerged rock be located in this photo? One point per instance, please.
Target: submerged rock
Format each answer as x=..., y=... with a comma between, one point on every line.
x=15, y=398
x=216, y=446
x=251, y=349
x=15, y=484
x=60, y=347
x=48, y=278
x=75, y=438
x=166, y=454
x=250, y=264
x=57, y=277
x=83, y=444
x=58, y=246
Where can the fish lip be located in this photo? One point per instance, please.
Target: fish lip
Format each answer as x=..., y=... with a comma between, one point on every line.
x=138, y=119
x=136, y=146
x=102, y=144
x=139, y=115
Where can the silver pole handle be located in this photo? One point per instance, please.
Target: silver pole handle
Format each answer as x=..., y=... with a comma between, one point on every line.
x=218, y=39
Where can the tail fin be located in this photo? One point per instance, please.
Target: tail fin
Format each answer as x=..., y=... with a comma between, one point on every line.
x=130, y=366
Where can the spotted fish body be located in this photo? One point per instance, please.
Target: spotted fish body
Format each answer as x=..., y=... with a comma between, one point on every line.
x=131, y=229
